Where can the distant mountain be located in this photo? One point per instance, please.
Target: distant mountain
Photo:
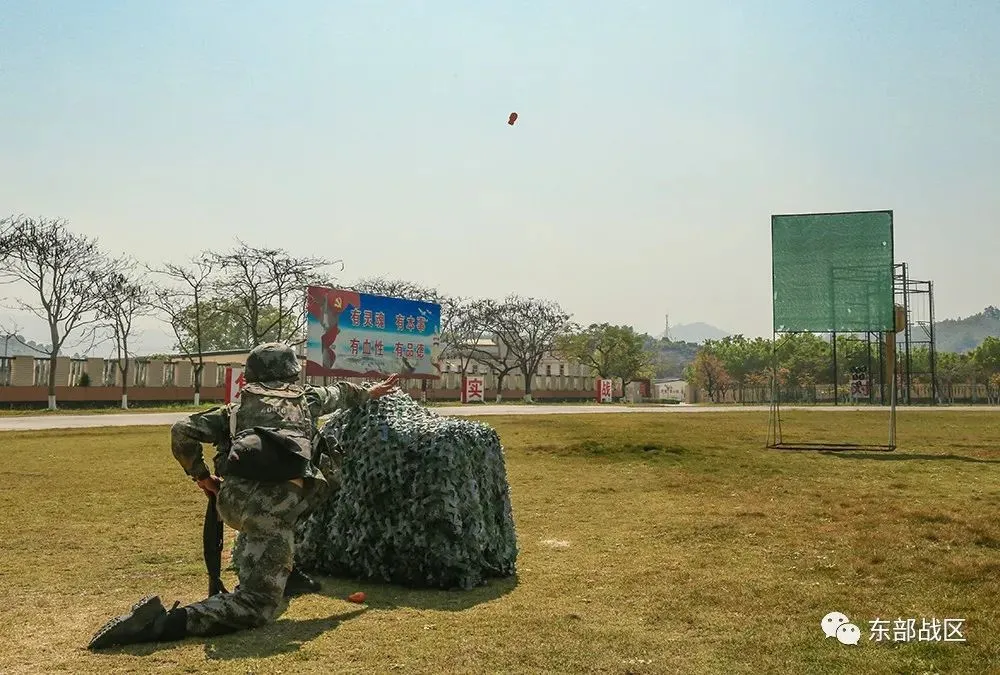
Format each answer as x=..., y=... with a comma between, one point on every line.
x=670, y=358
x=963, y=335
x=696, y=332
x=959, y=335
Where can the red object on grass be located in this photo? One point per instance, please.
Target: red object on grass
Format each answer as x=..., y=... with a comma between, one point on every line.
x=358, y=597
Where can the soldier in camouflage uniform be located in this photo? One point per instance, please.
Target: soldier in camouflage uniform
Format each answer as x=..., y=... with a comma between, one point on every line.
x=262, y=493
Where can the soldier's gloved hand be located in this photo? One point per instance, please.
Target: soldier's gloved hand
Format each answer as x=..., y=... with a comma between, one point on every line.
x=210, y=485
x=384, y=387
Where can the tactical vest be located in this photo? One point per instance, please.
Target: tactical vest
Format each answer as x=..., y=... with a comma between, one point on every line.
x=271, y=429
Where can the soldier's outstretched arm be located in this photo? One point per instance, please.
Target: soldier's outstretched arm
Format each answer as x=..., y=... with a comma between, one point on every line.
x=187, y=436
x=326, y=400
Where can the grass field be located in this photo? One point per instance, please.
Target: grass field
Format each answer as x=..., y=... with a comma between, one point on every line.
x=649, y=544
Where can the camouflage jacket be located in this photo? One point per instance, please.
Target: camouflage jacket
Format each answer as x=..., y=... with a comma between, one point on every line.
x=212, y=426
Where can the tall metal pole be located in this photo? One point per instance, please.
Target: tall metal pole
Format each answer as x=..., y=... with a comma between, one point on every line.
x=881, y=368
x=933, y=350
x=774, y=423
x=871, y=390
x=836, y=397
x=906, y=332
x=890, y=357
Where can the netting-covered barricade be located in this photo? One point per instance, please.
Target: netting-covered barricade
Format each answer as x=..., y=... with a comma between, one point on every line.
x=424, y=500
x=832, y=273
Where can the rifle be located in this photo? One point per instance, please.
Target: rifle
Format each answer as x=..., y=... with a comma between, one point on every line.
x=213, y=541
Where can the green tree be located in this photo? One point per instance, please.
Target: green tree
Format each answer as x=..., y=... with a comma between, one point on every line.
x=219, y=331
x=593, y=347
x=670, y=358
x=708, y=373
x=949, y=373
x=987, y=355
x=609, y=351
x=986, y=362
x=743, y=359
x=808, y=360
x=631, y=361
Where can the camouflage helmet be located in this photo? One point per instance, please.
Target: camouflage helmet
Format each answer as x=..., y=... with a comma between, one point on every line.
x=271, y=362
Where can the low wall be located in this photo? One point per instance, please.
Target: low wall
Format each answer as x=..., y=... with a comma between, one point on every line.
x=163, y=395
x=109, y=394
x=455, y=395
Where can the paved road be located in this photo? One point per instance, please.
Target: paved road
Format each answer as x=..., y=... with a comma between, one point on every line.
x=166, y=419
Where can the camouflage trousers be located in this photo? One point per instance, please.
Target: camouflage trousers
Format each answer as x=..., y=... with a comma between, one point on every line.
x=265, y=514
x=319, y=493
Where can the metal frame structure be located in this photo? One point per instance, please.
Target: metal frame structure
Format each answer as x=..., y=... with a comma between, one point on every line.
x=872, y=355
x=908, y=292
x=774, y=433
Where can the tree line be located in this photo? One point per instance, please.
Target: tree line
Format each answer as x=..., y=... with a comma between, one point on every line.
x=805, y=361
x=81, y=291
x=237, y=299
x=234, y=300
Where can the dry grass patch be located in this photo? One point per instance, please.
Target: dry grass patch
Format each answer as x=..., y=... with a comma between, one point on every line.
x=649, y=544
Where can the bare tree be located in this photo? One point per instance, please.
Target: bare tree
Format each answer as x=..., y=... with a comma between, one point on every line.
x=530, y=328
x=65, y=270
x=124, y=297
x=471, y=325
x=186, y=304
x=452, y=307
x=261, y=278
x=480, y=320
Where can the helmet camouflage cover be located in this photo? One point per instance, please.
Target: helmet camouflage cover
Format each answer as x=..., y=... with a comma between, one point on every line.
x=271, y=362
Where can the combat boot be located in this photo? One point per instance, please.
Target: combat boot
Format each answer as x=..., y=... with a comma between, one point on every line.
x=299, y=584
x=148, y=621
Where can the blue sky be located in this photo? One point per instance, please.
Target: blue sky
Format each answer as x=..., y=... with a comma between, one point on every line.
x=654, y=141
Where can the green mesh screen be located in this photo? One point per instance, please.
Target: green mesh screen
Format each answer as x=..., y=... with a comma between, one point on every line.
x=832, y=272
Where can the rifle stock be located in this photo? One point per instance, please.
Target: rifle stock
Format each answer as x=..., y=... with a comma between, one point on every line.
x=213, y=542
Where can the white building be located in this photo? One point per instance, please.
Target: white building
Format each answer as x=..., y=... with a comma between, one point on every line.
x=670, y=389
x=552, y=375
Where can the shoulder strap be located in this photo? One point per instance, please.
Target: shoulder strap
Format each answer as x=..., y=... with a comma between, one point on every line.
x=233, y=409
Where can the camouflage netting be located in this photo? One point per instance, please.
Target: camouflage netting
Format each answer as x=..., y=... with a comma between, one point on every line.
x=424, y=500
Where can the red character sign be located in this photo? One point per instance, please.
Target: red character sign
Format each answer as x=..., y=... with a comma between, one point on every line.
x=235, y=381
x=604, y=391
x=473, y=389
